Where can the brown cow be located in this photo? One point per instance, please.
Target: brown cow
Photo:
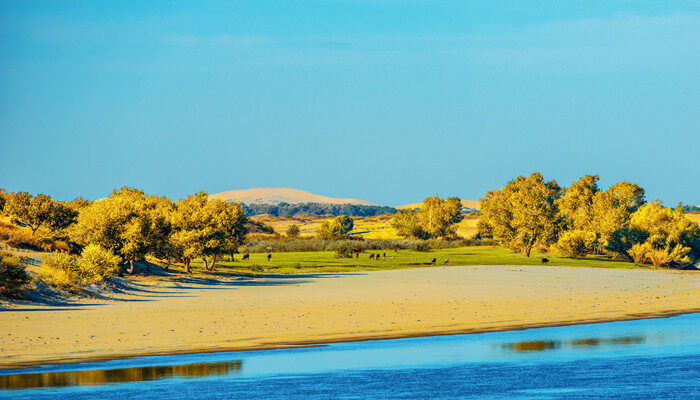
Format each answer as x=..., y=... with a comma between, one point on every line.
x=371, y=256
x=245, y=257
x=269, y=256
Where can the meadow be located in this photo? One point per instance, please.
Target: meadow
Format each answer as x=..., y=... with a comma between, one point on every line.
x=327, y=262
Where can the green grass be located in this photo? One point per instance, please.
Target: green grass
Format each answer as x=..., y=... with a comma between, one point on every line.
x=325, y=261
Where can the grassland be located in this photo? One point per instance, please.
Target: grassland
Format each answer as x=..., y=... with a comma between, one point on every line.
x=378, y=227
x=326, y=261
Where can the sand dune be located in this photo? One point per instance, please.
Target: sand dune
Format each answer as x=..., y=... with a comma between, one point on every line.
x=281, y=195
x=195, y=315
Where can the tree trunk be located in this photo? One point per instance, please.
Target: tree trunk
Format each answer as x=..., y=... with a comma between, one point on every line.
x=213, y=261
x=206, y=263
x=131, y=266
x=187, y=266
x=167, y=264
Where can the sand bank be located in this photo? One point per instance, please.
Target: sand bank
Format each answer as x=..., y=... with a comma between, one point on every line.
x=197, y=315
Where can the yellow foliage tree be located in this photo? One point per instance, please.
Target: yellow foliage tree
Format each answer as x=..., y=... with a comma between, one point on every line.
x=523, y=213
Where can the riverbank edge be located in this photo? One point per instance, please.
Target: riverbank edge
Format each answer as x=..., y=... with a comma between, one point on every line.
x=75, y=359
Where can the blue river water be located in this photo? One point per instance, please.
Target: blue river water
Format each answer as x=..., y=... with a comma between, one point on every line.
x=642, y=359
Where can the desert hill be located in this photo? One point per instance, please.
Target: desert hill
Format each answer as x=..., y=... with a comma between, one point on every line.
x=282, y=195
x=474, y=204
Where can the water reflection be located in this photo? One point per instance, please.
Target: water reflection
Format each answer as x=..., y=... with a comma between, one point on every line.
x=539, y=345
x=102, y=376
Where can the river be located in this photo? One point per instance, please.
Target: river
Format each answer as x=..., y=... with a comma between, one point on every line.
x=642, y=359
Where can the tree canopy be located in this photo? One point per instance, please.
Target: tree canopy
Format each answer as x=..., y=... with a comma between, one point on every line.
x=434, y=218
x=39, y=211
x=523, y=213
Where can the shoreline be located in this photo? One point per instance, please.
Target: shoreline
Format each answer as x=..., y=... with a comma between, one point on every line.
x=350, y=339
x=186, y=316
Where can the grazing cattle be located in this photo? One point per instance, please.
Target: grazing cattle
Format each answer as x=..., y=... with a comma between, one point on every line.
x=269, y=256
x=447, y=261
x=357, y=254
x=384, y=255
x=434, y=261
x=544, y=260
x=245, y=257
x=371, y=256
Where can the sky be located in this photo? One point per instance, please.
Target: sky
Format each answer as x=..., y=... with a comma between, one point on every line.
x=387, y=101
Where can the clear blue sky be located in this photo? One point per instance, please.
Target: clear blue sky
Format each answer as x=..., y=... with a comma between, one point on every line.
x=388, y=101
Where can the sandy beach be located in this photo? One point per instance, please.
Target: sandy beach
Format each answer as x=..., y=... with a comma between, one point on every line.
x=192, y=314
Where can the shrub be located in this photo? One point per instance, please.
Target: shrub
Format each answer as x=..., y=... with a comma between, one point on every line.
x=60, y=270
x=293, y=230
x=13, y=275
x=621, y=240
x=659, y=258
x=576, y=243
x=345, y=250
x=96, y=263
x=71, y=272
x=639, y=252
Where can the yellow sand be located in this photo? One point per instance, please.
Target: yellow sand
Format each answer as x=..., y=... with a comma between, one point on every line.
x=246, y=313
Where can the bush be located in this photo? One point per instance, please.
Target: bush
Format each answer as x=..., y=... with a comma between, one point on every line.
x=61, y=270
x=293, y=230
x=639, y=253
x=13, y=275
x=96, y=263
x=659, y=258
x=345, y=250
x=576, y=243
x=71, y=272
x=621, y=240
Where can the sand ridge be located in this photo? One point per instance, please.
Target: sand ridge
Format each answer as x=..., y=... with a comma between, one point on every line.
x=192, y=314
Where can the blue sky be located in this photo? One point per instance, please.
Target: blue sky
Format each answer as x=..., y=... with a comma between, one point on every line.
x=388, y=101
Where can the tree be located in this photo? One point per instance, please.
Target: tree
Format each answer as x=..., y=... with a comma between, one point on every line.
x=78, y=204
x=576, y=205
x=338, y=228
x=3, y=199
x=435, y=218
x=523, y=213
x=189, y=221
x=127, y=223
x=226, y=227
x=612, y=209
x=206, y=228
x=293, y=230
x=406, y=224
x=40, y=211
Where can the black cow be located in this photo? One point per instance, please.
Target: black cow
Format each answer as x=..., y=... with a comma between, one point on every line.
x=269, y=256
x=245, y=257
x=434, y=261
x=544, y=260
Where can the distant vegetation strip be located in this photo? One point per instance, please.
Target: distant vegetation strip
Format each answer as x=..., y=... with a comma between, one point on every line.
x=286, y=210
